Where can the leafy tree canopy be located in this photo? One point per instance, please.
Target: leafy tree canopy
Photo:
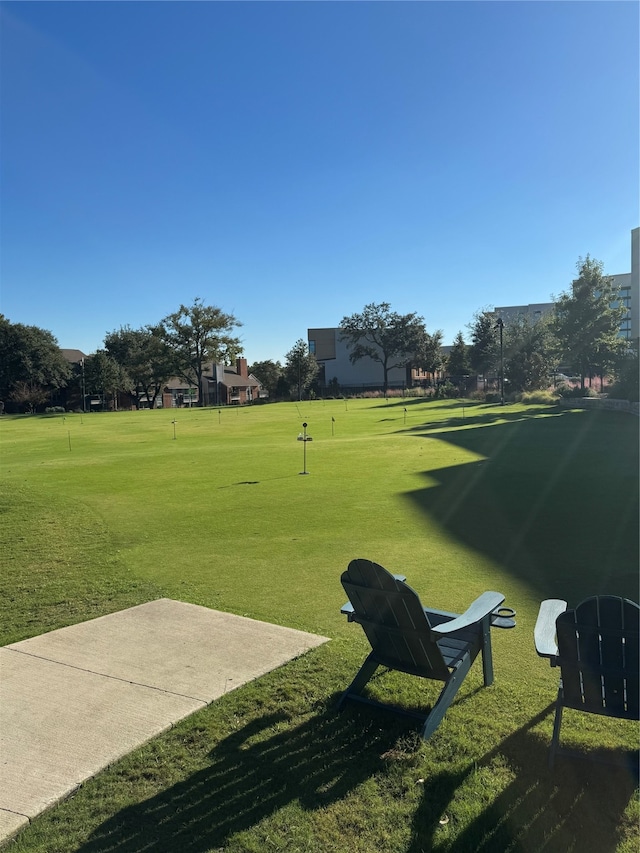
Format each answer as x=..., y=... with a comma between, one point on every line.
x=30, y=357
x=269, y=373
x=484, y=349
x=146, y=358
x=197, y=335
x=529, y=354
x=627, y=382
x=301, y=367
x=458, y=364
x=103, y=375
x=587, y=321
x=384, y=336
x=429, y=353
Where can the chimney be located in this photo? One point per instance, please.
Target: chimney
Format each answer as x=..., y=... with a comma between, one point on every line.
x=241, y=367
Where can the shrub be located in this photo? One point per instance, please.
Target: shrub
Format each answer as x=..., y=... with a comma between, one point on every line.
x=564, y=390
x=446, y=391
x=492, y=397
x=544, y=398
x=626, y=386
x=55, y=410
x=572, y=392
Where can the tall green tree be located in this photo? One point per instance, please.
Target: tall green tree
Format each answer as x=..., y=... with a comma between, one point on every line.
x=429, y=354
x=197, y=335
x=383, y=335
x=31, y=363
x=104, y=376
x=529, y=354
x=484, y=351
x=269, y=373
x=146, y=358
x=301, y=367
x=587, y=322
x=458, y=364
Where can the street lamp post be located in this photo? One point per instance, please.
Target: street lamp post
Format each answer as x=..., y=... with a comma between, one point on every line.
x=500, y=326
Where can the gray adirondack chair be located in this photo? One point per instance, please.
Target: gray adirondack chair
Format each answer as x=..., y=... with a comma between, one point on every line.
x=596, y=647
x=404, y=636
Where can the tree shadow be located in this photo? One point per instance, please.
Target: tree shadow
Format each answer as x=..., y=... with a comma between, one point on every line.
x=553, y=500
x=578, y=806
x=251, y=775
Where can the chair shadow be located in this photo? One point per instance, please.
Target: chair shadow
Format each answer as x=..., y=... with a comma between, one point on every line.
x=251, y=775
x=576, y=807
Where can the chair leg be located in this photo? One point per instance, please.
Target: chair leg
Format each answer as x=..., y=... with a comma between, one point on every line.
x=487, y=653
x=555, y=739
x=445, y=699
x=363, y=675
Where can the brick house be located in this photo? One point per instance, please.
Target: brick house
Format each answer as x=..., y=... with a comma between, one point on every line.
x=222, y=386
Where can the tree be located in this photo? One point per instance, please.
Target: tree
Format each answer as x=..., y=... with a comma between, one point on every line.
x=429, y=354
x=587, y=322
x=269, y=373
x=529, y=354
x=197, y=335
x=104, y=376
x=300, y=367
x=626, y=386
x=31, y=363
x=29, y=396
x=146, y=358
x=384, y=336
x=458, y=365
x=484, y=349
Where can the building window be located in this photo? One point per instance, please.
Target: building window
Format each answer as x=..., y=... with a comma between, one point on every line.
x=312, y=347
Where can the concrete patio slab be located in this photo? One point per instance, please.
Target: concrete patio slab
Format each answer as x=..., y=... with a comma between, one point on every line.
x=74, y=700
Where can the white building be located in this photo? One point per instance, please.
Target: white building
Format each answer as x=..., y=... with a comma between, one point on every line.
x=332, y=355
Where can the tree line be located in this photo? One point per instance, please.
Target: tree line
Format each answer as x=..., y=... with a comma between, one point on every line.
x=582, y=334
x=138, y=362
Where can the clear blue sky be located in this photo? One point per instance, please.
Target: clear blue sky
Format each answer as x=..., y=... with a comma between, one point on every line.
x=292, y=162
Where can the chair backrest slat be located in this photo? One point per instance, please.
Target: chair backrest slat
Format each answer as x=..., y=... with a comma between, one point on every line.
x=598, y=655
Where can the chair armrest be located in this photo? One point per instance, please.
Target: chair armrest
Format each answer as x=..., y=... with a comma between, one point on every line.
x=483, y=606
x=544, y=633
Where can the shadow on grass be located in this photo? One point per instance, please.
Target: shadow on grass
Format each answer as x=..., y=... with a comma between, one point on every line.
x=251, y=775
x=554, y=500
x=579, y=806
x=262, y=768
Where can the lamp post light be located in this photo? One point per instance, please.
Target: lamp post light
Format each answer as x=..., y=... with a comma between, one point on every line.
x=500, y=326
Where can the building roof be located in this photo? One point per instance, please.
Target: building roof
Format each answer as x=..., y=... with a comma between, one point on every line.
x=73, y=356
x=231, y=378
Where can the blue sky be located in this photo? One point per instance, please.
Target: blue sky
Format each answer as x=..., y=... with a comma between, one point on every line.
x=292, y=162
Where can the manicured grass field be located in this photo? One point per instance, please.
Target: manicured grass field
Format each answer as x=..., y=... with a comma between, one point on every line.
x=101, y=512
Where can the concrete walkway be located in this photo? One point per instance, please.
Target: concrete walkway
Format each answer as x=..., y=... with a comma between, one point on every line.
x=75, y=700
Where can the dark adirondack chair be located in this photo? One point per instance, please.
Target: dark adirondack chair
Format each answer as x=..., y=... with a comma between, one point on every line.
x=596, y=647
x=431, y=644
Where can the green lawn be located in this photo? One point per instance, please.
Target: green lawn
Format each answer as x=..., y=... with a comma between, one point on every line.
x=105, y=511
